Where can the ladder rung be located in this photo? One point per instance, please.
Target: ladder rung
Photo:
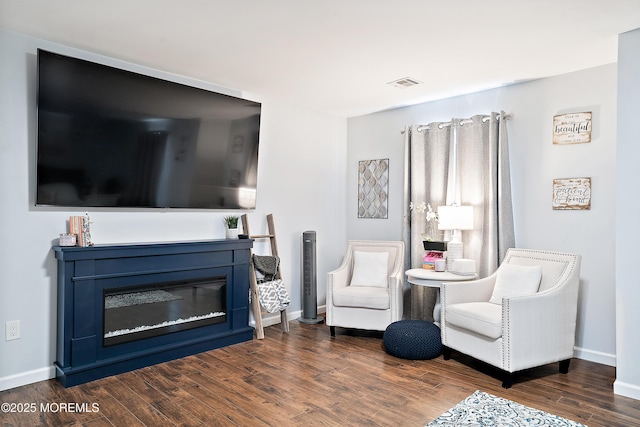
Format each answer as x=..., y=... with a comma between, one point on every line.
x=262, y=236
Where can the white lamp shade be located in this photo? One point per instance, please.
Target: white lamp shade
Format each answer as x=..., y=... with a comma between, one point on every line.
x=455, y=217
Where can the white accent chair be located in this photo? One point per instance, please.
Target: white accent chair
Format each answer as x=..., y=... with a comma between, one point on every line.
x=499, y=321
x=366, y=291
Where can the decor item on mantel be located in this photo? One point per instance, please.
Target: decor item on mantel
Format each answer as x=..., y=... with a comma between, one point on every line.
x=67, y=239
x=231, y=225
x=81, y=227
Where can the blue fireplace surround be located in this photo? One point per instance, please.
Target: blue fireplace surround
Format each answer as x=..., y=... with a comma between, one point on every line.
x=85, y=273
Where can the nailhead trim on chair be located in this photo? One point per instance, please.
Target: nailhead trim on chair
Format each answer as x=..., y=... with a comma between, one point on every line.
x=568, y=262
x=540, y=256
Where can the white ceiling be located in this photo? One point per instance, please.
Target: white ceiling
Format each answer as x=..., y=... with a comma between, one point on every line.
x=337, y=56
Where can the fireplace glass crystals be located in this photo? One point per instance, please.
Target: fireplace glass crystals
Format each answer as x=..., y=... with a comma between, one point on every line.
x=131, y=314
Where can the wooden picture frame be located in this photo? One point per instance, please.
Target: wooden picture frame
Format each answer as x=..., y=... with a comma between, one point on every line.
x=373, y=188
x=572, y=128
x=571, y=194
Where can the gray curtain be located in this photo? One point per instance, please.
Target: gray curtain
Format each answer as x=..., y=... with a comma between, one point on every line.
x=427, y=151
x=483, y=181
x=465, y=161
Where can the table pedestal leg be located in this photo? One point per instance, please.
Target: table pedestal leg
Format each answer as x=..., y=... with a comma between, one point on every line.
x=422, y=299
x=436, y=308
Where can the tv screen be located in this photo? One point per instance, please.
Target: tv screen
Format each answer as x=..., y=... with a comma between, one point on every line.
x=108, y=137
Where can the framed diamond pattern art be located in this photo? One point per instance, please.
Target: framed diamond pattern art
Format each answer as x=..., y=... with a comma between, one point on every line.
x=373, y=188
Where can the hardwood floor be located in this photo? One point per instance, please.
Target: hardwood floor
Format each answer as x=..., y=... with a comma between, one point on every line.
x=307, y=378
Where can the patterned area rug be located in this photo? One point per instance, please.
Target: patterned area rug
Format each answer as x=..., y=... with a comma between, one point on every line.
x=484, y=409
x=137, y=298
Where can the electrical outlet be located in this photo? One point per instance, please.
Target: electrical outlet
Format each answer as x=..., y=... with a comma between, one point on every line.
x=12, y=330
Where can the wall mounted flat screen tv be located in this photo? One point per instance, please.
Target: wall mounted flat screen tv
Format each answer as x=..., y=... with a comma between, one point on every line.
x=108, y=137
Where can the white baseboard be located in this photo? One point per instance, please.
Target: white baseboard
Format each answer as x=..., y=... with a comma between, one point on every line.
x=594, y=356
x=29, y=377
x=274, y=318
x=626, y=389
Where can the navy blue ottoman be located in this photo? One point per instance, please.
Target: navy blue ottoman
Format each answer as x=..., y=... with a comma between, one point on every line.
x=413, y=339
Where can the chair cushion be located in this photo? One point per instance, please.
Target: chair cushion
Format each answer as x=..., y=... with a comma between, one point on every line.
x=370, y=269
x=515, y=280
x=362, y=296
x=483, y=318
x=413, y=339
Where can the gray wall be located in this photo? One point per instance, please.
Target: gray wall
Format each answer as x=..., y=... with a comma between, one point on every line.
x=535, y=162
x=301, y=180
x=627, y=225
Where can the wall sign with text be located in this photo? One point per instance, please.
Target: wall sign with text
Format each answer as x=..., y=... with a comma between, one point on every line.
x=572, y=193
x=572, y=128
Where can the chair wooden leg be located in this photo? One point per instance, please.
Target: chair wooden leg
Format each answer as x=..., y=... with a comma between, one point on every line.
x=564, y=366
x=332, y=330
x=446, y=353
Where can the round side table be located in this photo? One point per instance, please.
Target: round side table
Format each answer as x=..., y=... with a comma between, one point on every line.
x=433, y=279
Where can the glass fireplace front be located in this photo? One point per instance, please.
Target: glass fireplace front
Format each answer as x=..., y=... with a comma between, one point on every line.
x=135, y=313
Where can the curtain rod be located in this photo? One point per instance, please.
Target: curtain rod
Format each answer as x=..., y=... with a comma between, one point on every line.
x=420, y=128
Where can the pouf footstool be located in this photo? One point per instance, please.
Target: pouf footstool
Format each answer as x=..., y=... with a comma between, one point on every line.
x=413, y=339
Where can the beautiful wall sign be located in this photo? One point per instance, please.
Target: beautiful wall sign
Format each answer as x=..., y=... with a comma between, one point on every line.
x=572, y=193
x=373, y=188
x=572, y=128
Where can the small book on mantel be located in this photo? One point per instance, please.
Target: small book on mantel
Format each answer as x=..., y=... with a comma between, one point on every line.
x=77, y=227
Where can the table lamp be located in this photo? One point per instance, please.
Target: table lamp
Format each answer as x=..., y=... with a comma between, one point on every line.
x=455, y=218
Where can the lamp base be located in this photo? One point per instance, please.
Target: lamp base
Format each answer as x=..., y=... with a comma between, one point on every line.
x=454, y=251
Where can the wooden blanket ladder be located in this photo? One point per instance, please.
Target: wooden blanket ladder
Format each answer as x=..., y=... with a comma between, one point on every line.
x=255, y=302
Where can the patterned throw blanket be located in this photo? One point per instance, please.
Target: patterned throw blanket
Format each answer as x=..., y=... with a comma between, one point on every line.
x=272, y=292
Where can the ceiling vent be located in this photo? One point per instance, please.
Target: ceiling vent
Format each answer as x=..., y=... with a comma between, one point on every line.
x=405, y=82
